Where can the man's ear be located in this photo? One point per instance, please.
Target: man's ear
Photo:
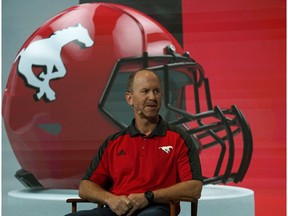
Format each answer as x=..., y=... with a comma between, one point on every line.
x=128, y=98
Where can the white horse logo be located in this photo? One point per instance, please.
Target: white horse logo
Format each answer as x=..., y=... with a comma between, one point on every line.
x=46, y=53
x=166, y=148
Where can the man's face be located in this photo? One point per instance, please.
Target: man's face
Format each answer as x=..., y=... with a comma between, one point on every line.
x=147, y=94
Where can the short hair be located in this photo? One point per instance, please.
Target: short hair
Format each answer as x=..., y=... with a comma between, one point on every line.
x=130, y=81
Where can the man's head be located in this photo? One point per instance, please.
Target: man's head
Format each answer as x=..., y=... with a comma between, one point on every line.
x=144, y=93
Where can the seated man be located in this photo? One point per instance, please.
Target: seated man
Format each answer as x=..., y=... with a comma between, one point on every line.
x=144, y=165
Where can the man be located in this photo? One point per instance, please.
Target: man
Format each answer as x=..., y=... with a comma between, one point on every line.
x=145, y=165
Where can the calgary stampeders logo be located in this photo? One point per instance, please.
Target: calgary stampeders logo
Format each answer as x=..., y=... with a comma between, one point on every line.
x=46, y=54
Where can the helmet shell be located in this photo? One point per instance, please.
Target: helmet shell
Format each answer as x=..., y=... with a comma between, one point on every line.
x=50, y=104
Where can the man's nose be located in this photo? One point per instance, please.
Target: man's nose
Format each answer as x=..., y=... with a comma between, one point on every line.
x=152, y=95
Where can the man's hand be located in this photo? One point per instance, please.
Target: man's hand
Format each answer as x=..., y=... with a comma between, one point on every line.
x=138, y=202
x=120, y=204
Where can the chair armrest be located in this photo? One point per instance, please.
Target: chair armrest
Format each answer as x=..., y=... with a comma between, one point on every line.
x=75, y=201
x=176, y=200
x=182, y=199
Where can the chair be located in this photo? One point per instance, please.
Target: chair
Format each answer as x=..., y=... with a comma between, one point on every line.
x=194, y=204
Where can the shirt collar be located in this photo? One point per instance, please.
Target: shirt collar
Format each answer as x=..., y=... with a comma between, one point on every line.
x=160, y=129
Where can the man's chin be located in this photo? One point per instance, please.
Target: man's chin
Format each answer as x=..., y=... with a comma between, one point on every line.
x=151, y=116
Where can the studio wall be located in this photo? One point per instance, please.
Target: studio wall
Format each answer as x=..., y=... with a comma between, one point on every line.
x=242, y=47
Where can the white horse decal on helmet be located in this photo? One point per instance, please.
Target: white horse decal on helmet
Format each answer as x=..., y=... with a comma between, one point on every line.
x=46, y=53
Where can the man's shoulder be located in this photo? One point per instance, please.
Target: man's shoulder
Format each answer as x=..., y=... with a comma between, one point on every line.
x=177, y=129
x=118, y=134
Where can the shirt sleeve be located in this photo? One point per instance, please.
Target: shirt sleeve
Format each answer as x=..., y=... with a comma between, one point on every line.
x=98, y=169
x=188, y=162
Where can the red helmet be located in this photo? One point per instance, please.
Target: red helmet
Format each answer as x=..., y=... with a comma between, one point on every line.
x=65, y=94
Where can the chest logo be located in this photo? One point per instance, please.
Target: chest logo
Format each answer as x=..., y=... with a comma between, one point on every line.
x=166, y=148
x=122, y=152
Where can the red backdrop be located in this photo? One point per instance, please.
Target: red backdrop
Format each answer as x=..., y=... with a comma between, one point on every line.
x=242, y=47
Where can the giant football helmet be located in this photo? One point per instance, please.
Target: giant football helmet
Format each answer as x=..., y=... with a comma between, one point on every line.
x=65, y=95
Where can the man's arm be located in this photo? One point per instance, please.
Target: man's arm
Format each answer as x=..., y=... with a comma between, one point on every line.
x=95, y=193
x=188, y=189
